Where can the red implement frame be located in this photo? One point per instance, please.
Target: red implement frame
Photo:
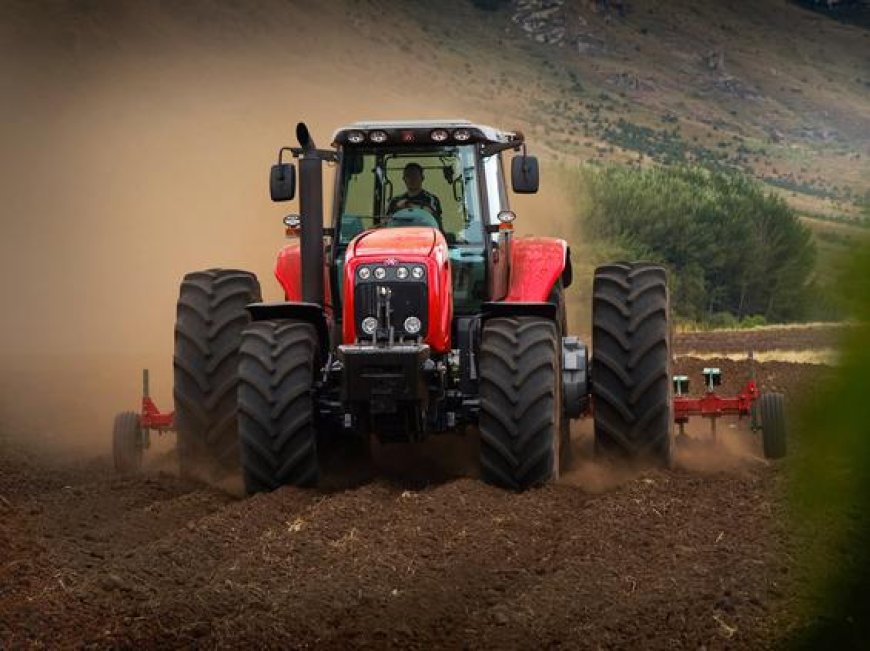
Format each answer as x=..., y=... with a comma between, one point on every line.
x=151, y=417
x=712, y=405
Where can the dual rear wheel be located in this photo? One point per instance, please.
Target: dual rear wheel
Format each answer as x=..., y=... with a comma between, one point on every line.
x=524, y=433
x=210, y=319
x=631, y=374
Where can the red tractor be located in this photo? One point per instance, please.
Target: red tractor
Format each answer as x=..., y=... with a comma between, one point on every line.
x=416, y=313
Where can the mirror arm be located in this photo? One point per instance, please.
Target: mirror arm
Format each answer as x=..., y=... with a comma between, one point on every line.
x=281, y=156
x=496, y=147
x=326, y=155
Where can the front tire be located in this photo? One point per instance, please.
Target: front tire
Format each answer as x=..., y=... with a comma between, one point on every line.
x=211, y=315
x=631, y=385
x=277, y=366
x=520, y=407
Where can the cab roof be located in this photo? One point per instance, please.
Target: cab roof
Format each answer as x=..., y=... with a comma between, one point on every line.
x=417, y=132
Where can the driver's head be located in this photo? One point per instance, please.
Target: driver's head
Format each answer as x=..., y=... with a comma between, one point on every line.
x=413, y=177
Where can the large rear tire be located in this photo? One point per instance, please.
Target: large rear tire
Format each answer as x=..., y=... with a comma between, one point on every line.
x=210, y=318
x=520, y=407
x=631, y=381
x=771, y=409
x=127, y=443
x=277, y=405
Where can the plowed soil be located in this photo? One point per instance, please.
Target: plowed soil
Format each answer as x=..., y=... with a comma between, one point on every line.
x=414, y=553
x=794, y=338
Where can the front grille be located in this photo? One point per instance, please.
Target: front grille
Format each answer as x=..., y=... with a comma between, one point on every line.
x=407, y=298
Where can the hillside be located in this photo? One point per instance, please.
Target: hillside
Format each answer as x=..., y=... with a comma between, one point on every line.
x=778, y=91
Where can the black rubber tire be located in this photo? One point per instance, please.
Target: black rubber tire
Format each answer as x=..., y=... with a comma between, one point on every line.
x=520, y=407
x=277, y=425
x=127, y=443
x=208, y=330
x=771, y=409
x=631, y=379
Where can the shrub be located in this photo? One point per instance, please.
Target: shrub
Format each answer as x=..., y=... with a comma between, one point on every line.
x=731, y=247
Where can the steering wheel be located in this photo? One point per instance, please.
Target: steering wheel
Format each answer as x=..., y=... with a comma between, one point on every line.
x=412, y=217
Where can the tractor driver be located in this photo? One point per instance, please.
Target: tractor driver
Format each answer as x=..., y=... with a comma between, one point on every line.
x=416, y=196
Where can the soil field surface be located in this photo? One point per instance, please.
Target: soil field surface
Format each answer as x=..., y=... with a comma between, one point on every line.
x=790, y=338
x=411, y=551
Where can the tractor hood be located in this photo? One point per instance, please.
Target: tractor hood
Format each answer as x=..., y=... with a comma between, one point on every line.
x=395, y=242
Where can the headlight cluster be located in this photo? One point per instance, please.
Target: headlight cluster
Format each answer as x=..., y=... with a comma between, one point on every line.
x=400, y=272
x=380, y=136
x=412, y=325
x=403, y=285
x=369, y=325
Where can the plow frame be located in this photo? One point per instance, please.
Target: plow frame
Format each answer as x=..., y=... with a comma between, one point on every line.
x=150, y=417
x=713, y=406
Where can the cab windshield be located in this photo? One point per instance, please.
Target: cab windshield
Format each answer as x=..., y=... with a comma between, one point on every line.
x=377, y=191
x=382, y=188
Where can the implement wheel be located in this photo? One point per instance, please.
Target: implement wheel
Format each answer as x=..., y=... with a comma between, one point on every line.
x=631, y=386
x=277, y=367
x=520, y=402
x=771, y=409
x=210, y=318
x=127, y=443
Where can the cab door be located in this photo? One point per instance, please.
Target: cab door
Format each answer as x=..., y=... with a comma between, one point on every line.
x=498, y=240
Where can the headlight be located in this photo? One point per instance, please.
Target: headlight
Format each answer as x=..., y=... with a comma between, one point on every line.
x=417, y=273
x=412, y=325
x=355, y=137
x=462, y=134
x=439, y=135
x=378, y=136
x=369, y=325
x=380, y=273
x=402, y=273
x=365, y=273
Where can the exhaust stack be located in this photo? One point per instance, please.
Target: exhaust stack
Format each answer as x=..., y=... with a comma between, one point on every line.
x=311, y=217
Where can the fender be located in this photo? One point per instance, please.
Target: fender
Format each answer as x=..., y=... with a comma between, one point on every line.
x=536, y=264
x=310, y=312
x=288, y=271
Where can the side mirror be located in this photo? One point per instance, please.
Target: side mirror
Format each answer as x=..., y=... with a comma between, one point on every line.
x=282, y=182
x=524, y=174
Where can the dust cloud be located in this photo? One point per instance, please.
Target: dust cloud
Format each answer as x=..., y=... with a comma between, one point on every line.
x=735, y=451
x=735, y=447
x=137, y=139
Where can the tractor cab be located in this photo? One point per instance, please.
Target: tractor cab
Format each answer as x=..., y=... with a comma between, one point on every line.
x=460, y=165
